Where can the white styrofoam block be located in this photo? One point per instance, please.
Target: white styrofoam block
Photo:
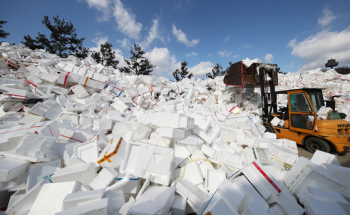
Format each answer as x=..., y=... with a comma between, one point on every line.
x=269, y=135
x=220, y=207
x=210, y=152
x=102, y=124
x=115, y=116
x=11, y=168
x=213, y=178
x=325, y=194
x=321, y=157
x=303, y=172
x=211, y=134
x=104, y=178
x=232, y=159
x=141, y=159
x=195, y=197
x=228, y=136
x=193, y=173
x=179, y=206
x=99, y=207
x=251, y=194
x=38, y=171
x=34, y=145
x=171, y=132
x=202, y=124
x=132, y=187
x=286, y=202
x=265, y=142
x=231, y=194
x=284, y=154
x=25, y=202
x=87, y=152
x=80, y=91
x=288, y=144
x=157, y=139
x=181, y=153
x=50, y=198
x=264, y=156
x=83, y=173
x=342, y=174
x=314, y=205
x=275, y=121
x=115, y=200
x=113, y=154
x=253, y=209
x=73, y=200
x=262, y=180
x=155, y=200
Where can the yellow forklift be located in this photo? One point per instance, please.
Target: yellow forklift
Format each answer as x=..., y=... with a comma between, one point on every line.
x=301, y=123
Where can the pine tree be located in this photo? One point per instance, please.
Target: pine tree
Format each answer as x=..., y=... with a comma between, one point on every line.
x=216, y=71
x=106, y=56
x=228, y=68
x=137, y=64
x=3, y=34
x=184, y=73
x=63, y=39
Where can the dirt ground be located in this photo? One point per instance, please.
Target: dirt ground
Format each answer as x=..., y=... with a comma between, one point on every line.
x=344, y=160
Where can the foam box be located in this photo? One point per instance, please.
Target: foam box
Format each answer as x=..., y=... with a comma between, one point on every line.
x=11, y=168
x=321, y=157
x=155, y=200
x=50, y=198
x=83, y=173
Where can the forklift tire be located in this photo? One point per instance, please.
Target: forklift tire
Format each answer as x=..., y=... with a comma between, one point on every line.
x=313, y=144
x=269, y=128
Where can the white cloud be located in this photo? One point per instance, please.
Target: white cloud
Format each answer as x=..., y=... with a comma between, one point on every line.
x=153, y=34
x=118, y=53
x=246, y=46
x=177, y=5
x=103, y=6
x=291, y=65
x=209, y=55
x=327, y=18
x=182, y=38
x=126, y=20
x=234, y=56
x=268, y=58
x=124, y=43
x=227, y=38
x=190, y=54
x=164, y=62
x=224, y=53
x=201, y=69
x=317, y=49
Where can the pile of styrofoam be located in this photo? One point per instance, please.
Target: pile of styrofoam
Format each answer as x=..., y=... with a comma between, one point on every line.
x=102, y=142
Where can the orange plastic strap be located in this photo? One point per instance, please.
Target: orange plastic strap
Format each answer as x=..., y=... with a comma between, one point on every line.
x=86, y=80
x=107, y=157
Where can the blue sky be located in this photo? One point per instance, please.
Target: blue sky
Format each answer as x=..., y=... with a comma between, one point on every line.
x=297, y=35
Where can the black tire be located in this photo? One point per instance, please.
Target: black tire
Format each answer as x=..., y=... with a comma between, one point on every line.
x=269, y=128
x=313, y=143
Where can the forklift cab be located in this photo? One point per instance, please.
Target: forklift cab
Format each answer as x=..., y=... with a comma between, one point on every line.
x=301, y=111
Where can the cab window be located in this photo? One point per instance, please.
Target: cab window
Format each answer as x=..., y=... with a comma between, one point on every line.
x=302, y=121
x=316, y=100
x=299, y=103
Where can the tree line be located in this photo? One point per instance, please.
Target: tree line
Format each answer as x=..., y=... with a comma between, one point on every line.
x=64, y=41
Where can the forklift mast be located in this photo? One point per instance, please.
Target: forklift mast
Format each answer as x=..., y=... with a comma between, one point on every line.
x=268, y=93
